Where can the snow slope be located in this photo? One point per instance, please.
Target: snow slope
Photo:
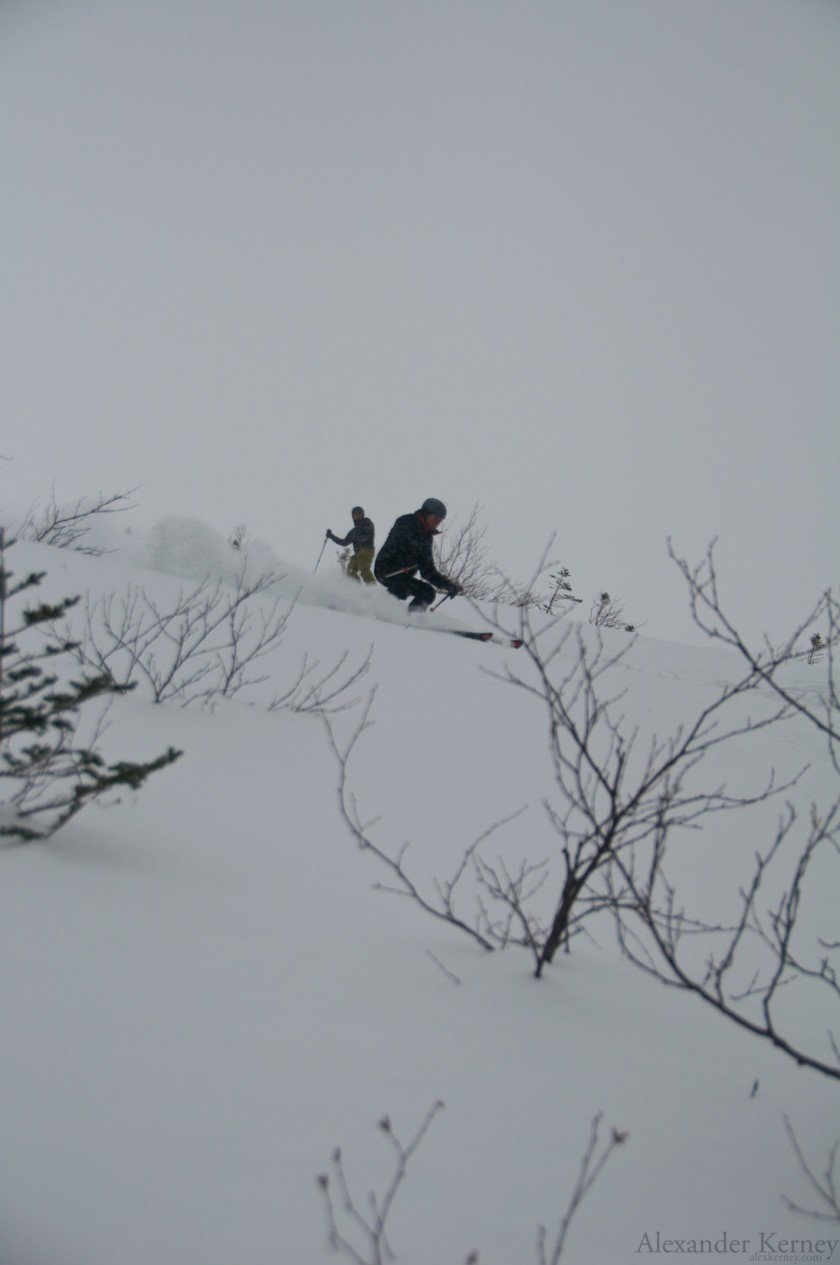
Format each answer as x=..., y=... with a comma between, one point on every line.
x=204, y=993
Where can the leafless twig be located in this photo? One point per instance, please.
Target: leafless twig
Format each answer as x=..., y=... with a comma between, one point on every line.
x=368, y=1226
x=360, y=1235
x=442, y=902
x=592, y=1165
x=65, y=526
x=825, y=1187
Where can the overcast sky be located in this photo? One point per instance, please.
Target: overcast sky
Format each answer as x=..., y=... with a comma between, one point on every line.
x=576, y=260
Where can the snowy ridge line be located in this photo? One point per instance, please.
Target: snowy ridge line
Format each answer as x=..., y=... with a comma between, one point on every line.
x=191, y=550
x=195, y=553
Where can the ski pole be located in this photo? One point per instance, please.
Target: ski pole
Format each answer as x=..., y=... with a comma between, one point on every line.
x=321, y=554
x=402, y=571
x=447, y=597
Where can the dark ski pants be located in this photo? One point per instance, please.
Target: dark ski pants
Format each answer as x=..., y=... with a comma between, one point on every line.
x=403, y=586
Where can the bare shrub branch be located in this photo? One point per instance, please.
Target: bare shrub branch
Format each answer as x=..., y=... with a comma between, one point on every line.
x=728, y=978
x=610, y=797
x=201, y=648
x=608, y=612
x=360, y=1235
x=323, y=691
x=369, y=1227
x=591, y=1167
x=65, y=526
x=825, y=1187
x=441, y=903
x=764, y=665
x=207, y=645
x=463, y=555
x=619, y=806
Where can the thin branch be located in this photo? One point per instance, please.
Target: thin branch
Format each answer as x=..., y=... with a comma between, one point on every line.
x=826, y=1188
x=591, y=1167
x=370, y=1228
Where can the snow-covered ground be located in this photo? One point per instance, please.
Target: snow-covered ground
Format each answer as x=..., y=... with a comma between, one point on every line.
x=204, y=994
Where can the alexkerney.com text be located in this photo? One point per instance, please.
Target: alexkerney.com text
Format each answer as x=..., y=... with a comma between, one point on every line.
x=770, y=1243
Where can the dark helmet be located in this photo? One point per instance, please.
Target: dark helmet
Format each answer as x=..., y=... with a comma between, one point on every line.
x=357, y=509
x=432, y=505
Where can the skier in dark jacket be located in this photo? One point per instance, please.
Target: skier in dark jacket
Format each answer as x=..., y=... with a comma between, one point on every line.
x=407, y=550
x=360, y=537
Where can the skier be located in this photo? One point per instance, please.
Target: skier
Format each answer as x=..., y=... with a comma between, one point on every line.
x=407, y=550
x=360, y=537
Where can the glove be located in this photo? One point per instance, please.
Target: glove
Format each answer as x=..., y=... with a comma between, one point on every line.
x=453, y=588
x=330, y=536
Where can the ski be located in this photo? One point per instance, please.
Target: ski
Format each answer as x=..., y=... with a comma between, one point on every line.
x=513, y=643
x=499, y=639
